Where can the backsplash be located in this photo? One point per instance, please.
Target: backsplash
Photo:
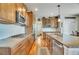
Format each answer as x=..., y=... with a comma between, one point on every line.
x=7, y=30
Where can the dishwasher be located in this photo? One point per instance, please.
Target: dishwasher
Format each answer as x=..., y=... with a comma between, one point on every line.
x=58, y=48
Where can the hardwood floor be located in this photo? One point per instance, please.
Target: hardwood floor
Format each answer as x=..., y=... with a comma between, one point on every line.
x=45, y=46
x=39, y=47
x=33, y=50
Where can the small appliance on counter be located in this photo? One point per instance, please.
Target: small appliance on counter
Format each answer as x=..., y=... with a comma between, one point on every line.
x=75, y=33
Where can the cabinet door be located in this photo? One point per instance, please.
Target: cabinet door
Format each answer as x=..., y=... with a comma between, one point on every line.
x=21, y=8
x=29, y=21
x=50, y=45
x=3, y=11
x=19, y=49
x=54, y=22
x=44, y=21
x=7, y=12
x=11, y=12
x=24, y=10
x=23, y=48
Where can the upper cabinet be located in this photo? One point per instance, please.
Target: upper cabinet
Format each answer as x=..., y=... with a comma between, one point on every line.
x=54, y=22
x=50, y=22
x=8, y=11
x=46, y=22
x=21, y=8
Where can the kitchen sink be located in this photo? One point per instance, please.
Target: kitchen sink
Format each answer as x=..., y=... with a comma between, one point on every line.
x=20, y=36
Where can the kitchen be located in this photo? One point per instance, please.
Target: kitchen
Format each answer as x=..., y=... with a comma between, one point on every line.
x=39, y=29
x=15, y=29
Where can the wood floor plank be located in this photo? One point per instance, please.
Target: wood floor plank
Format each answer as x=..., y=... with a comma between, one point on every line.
x=35, y=47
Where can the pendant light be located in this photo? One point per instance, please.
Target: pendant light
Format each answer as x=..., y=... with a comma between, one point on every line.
x=58, y=13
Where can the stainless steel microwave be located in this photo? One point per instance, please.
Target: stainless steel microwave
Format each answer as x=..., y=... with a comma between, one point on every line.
x=20, y=19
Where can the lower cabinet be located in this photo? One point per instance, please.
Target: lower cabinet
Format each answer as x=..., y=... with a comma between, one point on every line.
x=48, y=43
x=71, y=51
x=5, y=51
x=58, y=48
x=19, y=49
x=54, y=46
x=22, y=48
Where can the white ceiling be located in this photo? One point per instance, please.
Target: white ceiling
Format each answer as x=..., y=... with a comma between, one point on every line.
x=51, y=9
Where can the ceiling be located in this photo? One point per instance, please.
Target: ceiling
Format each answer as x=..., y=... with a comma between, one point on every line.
x=51, y=9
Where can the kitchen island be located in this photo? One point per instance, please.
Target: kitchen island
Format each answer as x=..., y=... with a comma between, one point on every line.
x=69, y=43
x=16, y=45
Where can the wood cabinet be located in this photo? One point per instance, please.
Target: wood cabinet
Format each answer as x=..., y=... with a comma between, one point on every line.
x=23, y=48
x=46, y=22
x=47, y=42
x=54, y=46
x=19, y=49
x=8, y=11
x=21, y=8
x=29, y=21
x=50, y=22
x=54, y=22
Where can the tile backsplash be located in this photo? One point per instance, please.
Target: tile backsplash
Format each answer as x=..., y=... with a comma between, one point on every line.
x=7, y=30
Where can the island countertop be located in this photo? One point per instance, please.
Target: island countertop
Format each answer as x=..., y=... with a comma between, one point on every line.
x=67, y=40
x=13, y=41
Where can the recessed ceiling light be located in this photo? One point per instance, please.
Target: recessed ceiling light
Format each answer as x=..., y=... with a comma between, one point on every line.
x=19, y=9
x=36, y=9
x=59, y=20
x=23, y=9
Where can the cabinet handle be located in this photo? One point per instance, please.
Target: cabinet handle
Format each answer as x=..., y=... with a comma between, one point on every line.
x=58, y=44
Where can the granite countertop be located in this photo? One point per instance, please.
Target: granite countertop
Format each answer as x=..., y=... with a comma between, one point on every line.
x=67, y=40
x=13, y=41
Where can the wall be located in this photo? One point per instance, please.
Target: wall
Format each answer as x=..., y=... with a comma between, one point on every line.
x=69, y=25
x=37, y=27
x=77, y=23
x=7, y=30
